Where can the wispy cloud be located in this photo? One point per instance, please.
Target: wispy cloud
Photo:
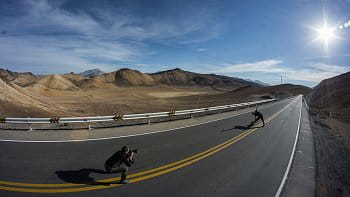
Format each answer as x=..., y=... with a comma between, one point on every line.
x=62, y=34
x=107, y=19
x=52, y=55
x=261, y=66
x=312, y=72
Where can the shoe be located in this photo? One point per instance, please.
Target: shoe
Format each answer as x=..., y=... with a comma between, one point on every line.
x=125, y=181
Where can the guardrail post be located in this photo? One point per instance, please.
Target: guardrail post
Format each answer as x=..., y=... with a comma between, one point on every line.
x=171, y=113
x=148, y=120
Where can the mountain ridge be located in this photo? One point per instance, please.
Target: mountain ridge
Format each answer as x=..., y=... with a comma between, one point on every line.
x=125, y=77
x=91, y=73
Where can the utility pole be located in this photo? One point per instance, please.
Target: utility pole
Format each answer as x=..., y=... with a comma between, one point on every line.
x=281, y=80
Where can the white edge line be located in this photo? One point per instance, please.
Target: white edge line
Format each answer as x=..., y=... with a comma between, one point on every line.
x=123, y=136
x=307, y=106
x=286, y=173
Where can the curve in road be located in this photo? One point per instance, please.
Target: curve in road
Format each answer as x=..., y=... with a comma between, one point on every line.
x=138, y=176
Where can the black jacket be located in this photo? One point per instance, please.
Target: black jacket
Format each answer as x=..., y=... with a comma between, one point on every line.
x=258, y=114
x=118, y=159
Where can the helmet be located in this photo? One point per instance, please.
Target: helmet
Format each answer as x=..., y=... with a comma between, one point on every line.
x=125, y=148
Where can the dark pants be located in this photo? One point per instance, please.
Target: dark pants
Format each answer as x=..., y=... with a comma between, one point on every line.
x=257, y=118
x=118, y=169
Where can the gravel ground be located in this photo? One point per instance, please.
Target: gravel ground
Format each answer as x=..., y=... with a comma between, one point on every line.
x=332, y=150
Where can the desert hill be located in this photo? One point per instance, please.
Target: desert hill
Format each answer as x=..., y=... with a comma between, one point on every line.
x=178, y=77
x=276, y=91
x=57, y=82
x=283, y=90
x=332, y=95
x=174, y=77
x=109, y=77
x=125, y=91
x=93, y=82
x=124, y=77
x=74, y=78
x=21, y=79
x=181, y=77
x=247, y=93
x=14, y=97
x=128, y=77
x=91, y=73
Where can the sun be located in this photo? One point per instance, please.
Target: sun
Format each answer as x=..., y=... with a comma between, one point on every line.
x=326, y=34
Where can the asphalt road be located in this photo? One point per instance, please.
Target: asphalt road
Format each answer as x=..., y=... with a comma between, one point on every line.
x=222, y=158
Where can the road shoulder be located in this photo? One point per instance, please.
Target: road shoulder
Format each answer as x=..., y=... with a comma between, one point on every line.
x=301, y=180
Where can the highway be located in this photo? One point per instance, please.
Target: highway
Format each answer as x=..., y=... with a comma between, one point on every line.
x=220, y=158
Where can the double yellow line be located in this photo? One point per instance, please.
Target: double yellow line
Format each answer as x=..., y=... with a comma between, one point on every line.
x=113, y=182
x=62, y=188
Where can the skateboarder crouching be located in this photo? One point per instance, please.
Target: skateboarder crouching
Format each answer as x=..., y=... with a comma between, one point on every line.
x=257, y=116
x=119, y=163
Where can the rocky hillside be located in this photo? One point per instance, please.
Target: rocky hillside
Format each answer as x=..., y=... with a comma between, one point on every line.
x=332, y=95
x=128, y=77
x=21, y=79
x=92, y=73
x=125, y=77
x=250, y=93
x=15, y=100
x=185, y=78
x=58, y=82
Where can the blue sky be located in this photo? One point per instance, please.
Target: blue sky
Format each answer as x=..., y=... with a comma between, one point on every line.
x=259, y=40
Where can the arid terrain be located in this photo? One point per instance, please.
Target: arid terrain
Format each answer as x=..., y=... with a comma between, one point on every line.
x=330, y=120
x=125, y=91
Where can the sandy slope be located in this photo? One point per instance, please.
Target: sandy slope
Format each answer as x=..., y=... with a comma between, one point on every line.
x=57, y=82
x=14, y=95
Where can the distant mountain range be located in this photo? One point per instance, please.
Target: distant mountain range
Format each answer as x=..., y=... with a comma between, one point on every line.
x=258, y=82
x=179, y=77
x=92, y=73
x=125, y=77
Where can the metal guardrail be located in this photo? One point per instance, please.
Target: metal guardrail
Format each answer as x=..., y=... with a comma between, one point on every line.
x=120, y=117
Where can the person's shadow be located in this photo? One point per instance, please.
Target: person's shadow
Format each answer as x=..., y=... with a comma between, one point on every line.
x=241, y=127
x=82, y=176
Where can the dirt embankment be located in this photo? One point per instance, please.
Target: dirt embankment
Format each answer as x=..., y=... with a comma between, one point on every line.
x=332, y=97
x=330, y=113
x=332, y=151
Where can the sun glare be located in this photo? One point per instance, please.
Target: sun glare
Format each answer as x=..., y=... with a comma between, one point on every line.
x=326, y=33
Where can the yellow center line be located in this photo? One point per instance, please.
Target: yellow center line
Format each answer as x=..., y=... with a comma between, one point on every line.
x=64, y=190
x=118, y=178
x=148, y=174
